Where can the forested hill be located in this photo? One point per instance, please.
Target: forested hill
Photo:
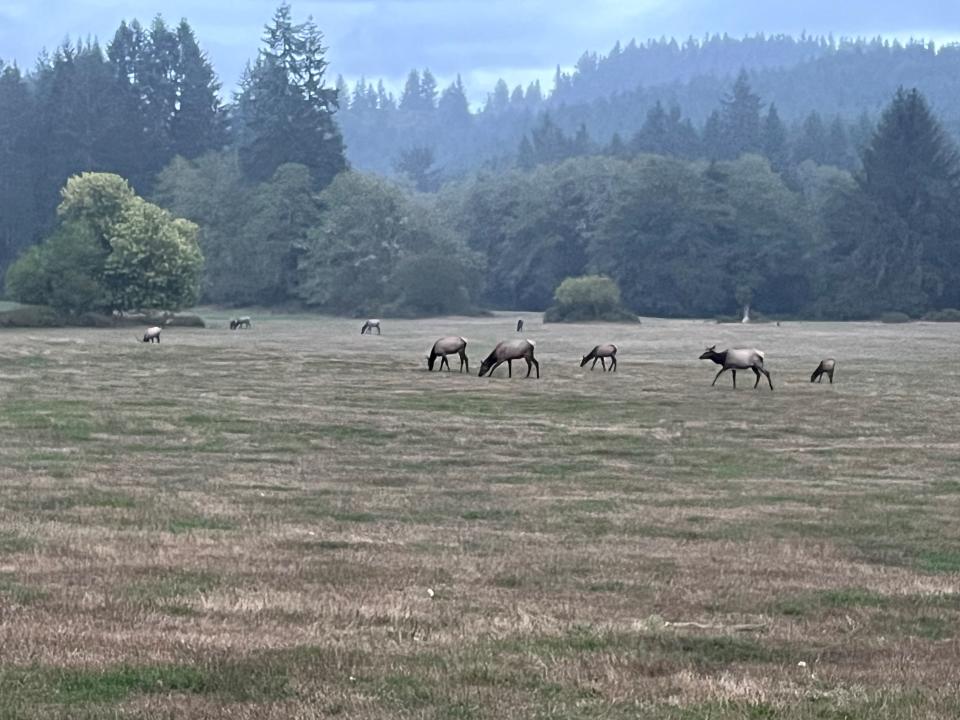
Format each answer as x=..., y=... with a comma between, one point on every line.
x=612, y=94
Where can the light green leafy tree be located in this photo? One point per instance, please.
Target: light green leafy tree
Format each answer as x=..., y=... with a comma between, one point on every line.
x=112, y=251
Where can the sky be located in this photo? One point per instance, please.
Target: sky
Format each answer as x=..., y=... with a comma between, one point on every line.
x=519, y=40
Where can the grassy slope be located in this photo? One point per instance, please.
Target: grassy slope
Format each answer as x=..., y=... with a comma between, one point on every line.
x=246, y=524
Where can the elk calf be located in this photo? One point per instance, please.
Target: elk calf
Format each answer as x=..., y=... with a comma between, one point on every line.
x=599, y=353
x=826, y=367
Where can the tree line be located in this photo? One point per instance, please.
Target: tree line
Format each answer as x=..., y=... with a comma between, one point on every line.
x=826, y=219
x=825, y=93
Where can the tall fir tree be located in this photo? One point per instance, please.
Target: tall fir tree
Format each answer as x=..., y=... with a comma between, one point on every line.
x=740, y=120
x=286, y=108
x=774, y=138
x=410, y=99
x=199, y=123
x=453, y=108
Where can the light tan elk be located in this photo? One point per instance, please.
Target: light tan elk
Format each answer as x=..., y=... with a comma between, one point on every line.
x=507, y=352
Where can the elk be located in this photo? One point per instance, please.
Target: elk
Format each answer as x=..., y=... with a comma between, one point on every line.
x=447, y=346
x=152, y=334
x=242, y=322
x=599, y=353
x=737, y=359
x=826, y=367
x=520, y=325
x=507, y=352
x=369, y=326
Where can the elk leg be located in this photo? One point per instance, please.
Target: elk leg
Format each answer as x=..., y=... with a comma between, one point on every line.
x=594, y=364
x=535, y=364
x=603, y=364
x=510, y=368
x=757, y=373
x=717, y=376
x=734, y=373
x=831, y=377
x=613, y=363
x=768, y=377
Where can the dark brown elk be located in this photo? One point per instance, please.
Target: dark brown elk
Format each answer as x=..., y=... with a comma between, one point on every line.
x=507, y=352
x=448, y=346
x=826, y=367
x=737, y=359
x=599, y=353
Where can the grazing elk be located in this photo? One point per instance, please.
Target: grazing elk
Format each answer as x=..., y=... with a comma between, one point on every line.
x=599, y=353
x=520, y=325
x=369, y=326
x=242, y=322
x=507, y=352
x=447, y=346
x=152, y=334
x=826, y=367
x=737, y=359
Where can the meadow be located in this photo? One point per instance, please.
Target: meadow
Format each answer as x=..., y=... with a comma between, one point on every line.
x=295, y=521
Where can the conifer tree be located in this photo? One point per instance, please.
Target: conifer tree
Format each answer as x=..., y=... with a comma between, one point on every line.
x=285, y=106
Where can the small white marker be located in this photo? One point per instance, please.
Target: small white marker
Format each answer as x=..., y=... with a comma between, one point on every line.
x=801, y=664
x=430, y=592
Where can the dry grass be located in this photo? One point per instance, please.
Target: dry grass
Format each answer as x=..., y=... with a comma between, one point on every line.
x=245, y=524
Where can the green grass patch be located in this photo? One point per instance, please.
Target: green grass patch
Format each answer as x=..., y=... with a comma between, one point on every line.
x=233, y=680
x=195, y=523
x=13, y=542
x=166, y=584
x=18, y=593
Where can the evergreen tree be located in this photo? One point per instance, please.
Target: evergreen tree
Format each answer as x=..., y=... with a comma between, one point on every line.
x=453, y=108
x=652, y=137
x=713, y=136
x=740, y=120
x=411, y=98
x=286, y=108
x=428, y=91
x=837, y=150
x=199, y=122
x=416, y=164
x=17, y=165
x=899, y=229
x=812, y=142
x=534, y=95
x=499, y=101
x=774, y=137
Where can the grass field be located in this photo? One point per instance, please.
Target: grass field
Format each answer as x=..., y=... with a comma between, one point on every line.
x=246, y=524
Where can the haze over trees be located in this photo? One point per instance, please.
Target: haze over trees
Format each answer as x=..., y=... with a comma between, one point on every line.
x=790, y=173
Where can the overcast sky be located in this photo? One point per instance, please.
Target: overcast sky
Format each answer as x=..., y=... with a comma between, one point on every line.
x=518, y=40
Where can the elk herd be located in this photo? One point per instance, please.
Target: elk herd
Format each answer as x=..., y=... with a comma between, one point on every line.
x=507, y=351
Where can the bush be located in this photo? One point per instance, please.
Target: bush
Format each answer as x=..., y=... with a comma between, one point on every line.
x=111, y=250
x=186, y=321
x=588, y=298
x=894, y=318
x=30, y=316
x=945, y=315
